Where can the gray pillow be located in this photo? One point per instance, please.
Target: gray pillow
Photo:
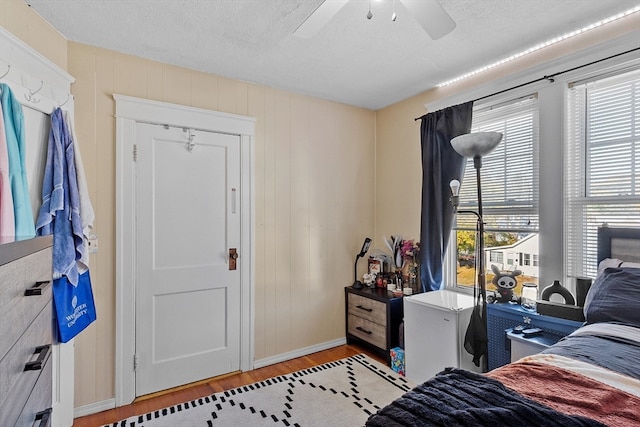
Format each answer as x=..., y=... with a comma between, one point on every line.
x=614, y=297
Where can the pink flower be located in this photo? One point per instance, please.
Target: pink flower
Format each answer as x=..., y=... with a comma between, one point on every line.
x=409, y=249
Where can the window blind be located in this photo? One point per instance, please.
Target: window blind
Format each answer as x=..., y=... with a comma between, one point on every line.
x=509, y=174
x=602, y=159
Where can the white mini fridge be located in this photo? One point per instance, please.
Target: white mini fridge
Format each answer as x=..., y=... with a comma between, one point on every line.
x=435, y=324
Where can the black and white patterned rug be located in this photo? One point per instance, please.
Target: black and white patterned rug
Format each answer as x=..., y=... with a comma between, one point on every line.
x=340, y=393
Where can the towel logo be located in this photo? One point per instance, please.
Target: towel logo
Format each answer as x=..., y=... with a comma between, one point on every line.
x=78, y=311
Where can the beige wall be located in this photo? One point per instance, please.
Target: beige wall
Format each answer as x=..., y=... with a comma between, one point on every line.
x=314, y=166
x=18, y=18
x=315, y=174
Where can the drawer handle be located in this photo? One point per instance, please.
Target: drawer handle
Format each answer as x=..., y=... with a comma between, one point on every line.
x=364, y=308
x=361, y=329
x=43, y=417
x=42, y=352
x=37, y=288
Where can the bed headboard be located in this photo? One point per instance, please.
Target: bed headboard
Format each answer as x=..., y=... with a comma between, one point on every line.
x=621, y=243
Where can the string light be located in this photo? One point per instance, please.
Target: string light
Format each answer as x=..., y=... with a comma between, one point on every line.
x=540, y=46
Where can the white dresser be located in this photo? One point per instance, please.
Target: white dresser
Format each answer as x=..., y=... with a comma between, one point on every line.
x=26, y=336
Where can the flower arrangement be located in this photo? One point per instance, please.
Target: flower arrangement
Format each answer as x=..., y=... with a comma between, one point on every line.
x=410, y=250
x=405, y=253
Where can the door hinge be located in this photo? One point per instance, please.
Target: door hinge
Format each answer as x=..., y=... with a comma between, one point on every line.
x=135, y=362
x=135, y=152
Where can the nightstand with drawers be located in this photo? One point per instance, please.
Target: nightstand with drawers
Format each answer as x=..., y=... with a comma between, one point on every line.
x=373, y=317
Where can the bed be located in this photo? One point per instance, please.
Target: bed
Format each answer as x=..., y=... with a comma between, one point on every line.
x=589, y=378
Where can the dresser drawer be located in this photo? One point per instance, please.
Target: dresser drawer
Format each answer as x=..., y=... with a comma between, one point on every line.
x=33, y=348
x=373, y=333
x=19, y=310
x=39, y=402
x=367, y=308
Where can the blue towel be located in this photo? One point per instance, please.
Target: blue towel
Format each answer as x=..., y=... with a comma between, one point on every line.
x=60, y=210
x=14, y=130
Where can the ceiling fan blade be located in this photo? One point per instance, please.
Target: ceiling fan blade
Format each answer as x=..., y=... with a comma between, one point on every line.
x=319, y=18
x=431, y=16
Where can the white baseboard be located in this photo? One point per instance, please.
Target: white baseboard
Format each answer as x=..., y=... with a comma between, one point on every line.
x=104, y=405
x=297, y=353
x=94, y=408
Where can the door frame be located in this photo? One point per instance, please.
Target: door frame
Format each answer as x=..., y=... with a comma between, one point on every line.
x=129, y=112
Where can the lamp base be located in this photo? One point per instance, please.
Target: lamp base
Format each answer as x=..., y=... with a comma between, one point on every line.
x=357, y=285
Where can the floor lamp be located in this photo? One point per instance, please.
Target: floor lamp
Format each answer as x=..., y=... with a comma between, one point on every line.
x=476, y=145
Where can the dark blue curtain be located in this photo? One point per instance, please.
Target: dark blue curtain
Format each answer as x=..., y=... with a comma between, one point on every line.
x=440, y=164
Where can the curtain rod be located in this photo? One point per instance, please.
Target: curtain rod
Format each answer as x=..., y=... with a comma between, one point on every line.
x=549, y=77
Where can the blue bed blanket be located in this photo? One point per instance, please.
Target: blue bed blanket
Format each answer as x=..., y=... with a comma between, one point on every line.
x=621, y=356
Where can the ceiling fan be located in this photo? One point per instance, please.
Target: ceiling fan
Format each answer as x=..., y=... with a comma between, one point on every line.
x=429, y=14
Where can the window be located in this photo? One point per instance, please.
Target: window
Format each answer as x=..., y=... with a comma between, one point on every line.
x=509, y=179
x=510, y=258
x=602, y=160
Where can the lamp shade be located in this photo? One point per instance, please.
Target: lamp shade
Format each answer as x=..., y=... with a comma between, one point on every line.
x=476, y=144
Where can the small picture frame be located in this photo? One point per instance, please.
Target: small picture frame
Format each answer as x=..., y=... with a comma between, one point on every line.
x=375, y=266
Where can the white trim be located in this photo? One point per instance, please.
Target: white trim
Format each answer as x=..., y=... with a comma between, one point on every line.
x=28, y=70
x=125, y=270
x=283, y=357
x=148, y=111
x=94, y=408
x=129, y=112
x=247, y=269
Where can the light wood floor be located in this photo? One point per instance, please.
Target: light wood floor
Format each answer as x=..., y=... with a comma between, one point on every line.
x=150, y=403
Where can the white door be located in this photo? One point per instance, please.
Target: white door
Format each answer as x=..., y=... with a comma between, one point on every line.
x=187, y=220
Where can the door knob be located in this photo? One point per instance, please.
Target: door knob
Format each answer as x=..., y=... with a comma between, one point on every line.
x=233, y=256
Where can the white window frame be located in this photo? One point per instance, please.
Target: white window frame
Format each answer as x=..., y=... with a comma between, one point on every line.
x=552, y=102
x=513, y=107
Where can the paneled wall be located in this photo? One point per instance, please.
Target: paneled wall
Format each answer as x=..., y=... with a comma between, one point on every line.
x=18, y=18
x=314, y=168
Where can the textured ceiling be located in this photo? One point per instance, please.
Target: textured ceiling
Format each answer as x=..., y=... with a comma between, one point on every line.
x=368, y=63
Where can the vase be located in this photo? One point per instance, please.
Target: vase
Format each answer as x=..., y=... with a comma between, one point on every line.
x=410, y=274
x=557, y=288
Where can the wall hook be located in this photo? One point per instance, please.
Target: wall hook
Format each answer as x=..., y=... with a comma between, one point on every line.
x=5, y=74
x=30, y=97
x=67, y=100
x=191, y=144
